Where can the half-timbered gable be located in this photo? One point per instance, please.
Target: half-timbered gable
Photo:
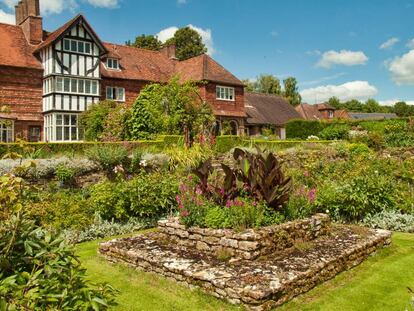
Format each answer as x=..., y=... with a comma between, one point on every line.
x=71, y=79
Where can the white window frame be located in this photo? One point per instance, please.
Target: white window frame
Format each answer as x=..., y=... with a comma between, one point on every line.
x=78, y=43
x=53, y=128
x=330, y=114
x=226, y=93
x=114, y=91
x=93, y=85
x=110, y=64
x=6, y=131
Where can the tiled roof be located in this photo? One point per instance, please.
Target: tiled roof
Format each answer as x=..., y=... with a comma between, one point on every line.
x=268, y=109
x=324, y=106
x=371, y=116
x=139, y=64
x=309, y=112
x=15, y=50
x=203, y=67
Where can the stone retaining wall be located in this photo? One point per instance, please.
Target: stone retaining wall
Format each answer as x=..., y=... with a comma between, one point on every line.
x=248, y=244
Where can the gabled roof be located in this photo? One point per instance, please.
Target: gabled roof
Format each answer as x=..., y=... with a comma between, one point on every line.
x=60, y=32
x=324, y=106
x=15, y=51
x=138, y=64
x=309, y=112
x=268, y=109
x=203, y=67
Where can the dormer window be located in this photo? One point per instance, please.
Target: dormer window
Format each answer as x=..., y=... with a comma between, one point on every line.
x=225, y=93
x=112, y=63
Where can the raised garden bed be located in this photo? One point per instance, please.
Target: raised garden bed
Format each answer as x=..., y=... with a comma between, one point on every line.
x=260, y=284
x=247, y=244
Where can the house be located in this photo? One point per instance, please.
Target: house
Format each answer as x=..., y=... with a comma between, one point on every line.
x=265, y=110
x=326, y=112
x=47, y=79
x=316, y=112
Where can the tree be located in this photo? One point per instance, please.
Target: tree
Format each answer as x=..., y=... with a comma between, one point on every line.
x=249, y=86
x=149, y=42
x=188, y=43
x=371, y=106
x=402, y=109
x=354, y=105
x=291, y=91
x=335, y=102
x=171, y=108
x=93, y=120
x=265, y=83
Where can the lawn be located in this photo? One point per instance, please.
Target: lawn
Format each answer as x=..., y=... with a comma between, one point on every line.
x=380, y=283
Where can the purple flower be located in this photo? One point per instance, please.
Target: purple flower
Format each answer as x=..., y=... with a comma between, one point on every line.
x=312, y=195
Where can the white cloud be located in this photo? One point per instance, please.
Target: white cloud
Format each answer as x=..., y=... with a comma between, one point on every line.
x=181, y=2
x=389, y=43
x=48, y=6
x=274, y=33
x=205, y=34
x=343, y=57
x=109, y=4
x=346, y=91
x=391, y=102
x=410, y=44
x=402, y=68
x=6, y=18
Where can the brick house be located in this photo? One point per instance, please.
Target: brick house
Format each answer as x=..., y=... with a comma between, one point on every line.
x=47, y=79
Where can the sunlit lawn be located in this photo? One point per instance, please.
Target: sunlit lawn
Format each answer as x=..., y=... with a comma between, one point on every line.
x=380, y=283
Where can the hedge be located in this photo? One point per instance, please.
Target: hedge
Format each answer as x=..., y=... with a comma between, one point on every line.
x=303, y=128
x=282, y=144
x=227, y=142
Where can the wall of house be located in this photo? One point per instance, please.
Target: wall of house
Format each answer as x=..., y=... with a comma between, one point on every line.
x=21, y=91
x=132, y=88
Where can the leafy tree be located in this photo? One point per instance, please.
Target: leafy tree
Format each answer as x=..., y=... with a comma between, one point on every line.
x=265, y=83
x=188, y=43
x=354, y=106
x=104, y=121
x=403, y=110
x=172, y=108
x=335, y=102
x=149, y=42
x=371, y=105
x=249, y=85
x=291, y=92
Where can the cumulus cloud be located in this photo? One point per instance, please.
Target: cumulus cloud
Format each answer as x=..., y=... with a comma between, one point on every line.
x=6, y=18
x=343, y=57
x=389, y=43
x=346, y=91
x=410, y=44
x=402, y=68
x=205, y=34
x=109, y=4
x=48, y=7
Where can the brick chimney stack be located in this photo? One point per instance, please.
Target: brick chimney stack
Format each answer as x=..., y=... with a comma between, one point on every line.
x=28, y=17
x=169, y=51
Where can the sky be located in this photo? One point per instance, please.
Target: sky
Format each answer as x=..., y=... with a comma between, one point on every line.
x=346, y=48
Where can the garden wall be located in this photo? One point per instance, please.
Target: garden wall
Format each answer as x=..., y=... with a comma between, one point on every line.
x=248, y=244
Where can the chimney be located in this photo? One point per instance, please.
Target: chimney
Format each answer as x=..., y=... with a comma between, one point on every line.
x=28, y=17
x=169, y=51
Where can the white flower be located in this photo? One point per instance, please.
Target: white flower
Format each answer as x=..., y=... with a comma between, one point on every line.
x=312, y=137
x=143, y=163
x=327, y=211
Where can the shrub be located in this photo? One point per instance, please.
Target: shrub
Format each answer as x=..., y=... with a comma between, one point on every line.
x=390, y=220
x=303, y=129
x=145, y=196
x=115, y=128
x=40, y=272
x=188, y=158
x=136, y=160
x=217, y=217
x=335, y=132
x=358, y=197
x=102, y=229
x=108, y=157
x=358, y=149
x=227, y=142
x=155, y=161
x=66, y=175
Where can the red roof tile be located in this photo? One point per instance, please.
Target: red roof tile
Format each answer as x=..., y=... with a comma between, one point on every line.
x=15, y=50
x=139, y=64
x=309, y=112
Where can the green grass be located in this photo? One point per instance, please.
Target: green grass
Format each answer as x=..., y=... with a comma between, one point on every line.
x=380, y=283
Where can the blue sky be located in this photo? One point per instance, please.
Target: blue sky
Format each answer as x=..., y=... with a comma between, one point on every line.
x=351, y=49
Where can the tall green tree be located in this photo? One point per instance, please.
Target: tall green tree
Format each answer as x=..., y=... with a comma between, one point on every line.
x=148, y=42
x=371, y=106
x=335, y=102
x=291, y=92
x=265, y=83
x=403, y=110
x=188, y=43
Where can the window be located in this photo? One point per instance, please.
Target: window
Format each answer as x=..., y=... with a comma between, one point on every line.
x=6, y=131
x=62, y=127
x=330, y=114
x=112, y=63
x=77, y=46
x=225, y=93
x=78, y=86
x=115, y=93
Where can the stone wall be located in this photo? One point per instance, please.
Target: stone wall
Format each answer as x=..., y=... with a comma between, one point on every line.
x=248, y=244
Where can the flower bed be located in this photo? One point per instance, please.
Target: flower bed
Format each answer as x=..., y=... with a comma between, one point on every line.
x=247, y=244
